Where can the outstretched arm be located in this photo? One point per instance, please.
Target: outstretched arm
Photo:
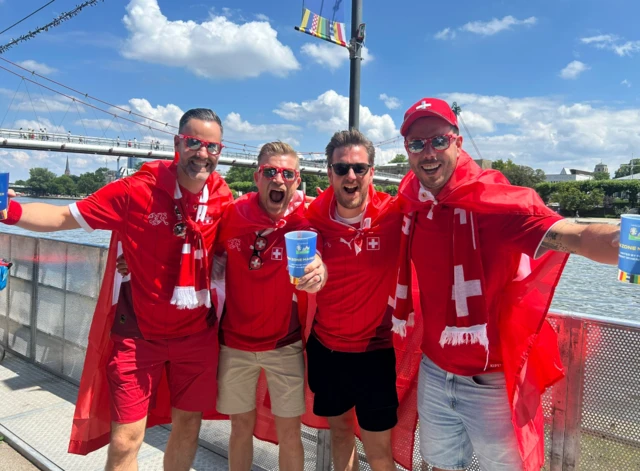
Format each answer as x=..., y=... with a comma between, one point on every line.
x=598, y=242
x=42, y=217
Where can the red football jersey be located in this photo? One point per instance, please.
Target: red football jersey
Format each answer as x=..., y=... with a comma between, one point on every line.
x=353, y=312
x=503, y=239
x=144, y=216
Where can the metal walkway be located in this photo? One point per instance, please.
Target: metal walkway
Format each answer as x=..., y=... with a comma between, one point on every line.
x=36, y=410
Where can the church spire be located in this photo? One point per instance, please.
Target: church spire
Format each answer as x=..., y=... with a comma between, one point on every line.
x=66, y=170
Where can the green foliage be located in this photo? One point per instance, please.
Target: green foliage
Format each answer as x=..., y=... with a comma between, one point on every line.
x=625, y=169
x=39, y=180
x=66, y=186
x=239, y=174
x=519, y=175
x=601, y=176
x=314, y=181
x=20, y=182
x=90, y=182
x=572, y=199
x=399, y=158
x=391, y=189
x=244, y=187
x=139, y=165
x=378, y=187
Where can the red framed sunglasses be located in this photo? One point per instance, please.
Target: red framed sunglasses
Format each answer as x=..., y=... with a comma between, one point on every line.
x=195, y=143
x=270, y=172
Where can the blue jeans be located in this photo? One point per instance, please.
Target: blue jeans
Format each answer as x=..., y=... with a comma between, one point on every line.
x=460, y=415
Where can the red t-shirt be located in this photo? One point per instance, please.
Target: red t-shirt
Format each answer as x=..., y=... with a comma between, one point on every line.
x=261, y=311
x=353, y=312
x=144, y=217
x=503, y=238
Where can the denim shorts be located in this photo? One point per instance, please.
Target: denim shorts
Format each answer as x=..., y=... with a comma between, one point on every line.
x=460, y=415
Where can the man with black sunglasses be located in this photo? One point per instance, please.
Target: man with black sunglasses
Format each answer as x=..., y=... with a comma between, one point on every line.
x=262, y=325
x=350, y=354
x=153, y=329
x=488, y=256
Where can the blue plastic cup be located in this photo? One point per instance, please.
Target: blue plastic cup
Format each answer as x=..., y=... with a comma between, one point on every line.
x=301, y=250
x=629, y=254
x=4, y=195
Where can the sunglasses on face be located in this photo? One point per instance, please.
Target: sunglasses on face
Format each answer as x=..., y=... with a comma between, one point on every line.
x=438, y=143
x=270, y=172
x=341, y=169
x=194, y=143
x=255, y=262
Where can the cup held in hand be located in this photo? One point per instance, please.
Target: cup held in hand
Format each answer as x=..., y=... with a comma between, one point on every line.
x=629, y=254
x=301, y=250
x=4, y=195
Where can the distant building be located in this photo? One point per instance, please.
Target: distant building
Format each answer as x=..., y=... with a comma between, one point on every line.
x=67, y=172
x=601, y=168
x=132, y=162
x=635, y=176
x=569, y=175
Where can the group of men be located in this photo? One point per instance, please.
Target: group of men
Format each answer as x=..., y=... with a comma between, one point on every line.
x=482, y=251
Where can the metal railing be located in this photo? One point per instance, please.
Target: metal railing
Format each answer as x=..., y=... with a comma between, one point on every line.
x=592, y=417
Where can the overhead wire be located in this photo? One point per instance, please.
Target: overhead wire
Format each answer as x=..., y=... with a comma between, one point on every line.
x=26, y=17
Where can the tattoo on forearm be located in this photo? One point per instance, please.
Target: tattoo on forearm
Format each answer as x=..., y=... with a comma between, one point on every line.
x=554, y=240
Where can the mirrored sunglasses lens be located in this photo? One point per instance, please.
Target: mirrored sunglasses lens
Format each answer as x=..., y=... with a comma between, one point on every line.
x=288, y=174
x=440, y=142
x=340, y=169
x=213, y=148
x=416, y=146
x=269, y=172
x=193, y=144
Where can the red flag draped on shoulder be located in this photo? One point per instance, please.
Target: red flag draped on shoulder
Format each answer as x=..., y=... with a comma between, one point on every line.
x=528, y=343
x=92, y=418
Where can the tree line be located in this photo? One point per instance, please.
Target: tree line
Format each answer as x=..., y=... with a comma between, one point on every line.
x=43, y=182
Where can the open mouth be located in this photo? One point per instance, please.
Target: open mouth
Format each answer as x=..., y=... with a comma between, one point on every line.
x=276, y=196
x=350, y=189
x=431, y=169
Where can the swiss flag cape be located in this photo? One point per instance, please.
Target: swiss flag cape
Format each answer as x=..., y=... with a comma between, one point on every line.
x=527, y=341
x=92, y=418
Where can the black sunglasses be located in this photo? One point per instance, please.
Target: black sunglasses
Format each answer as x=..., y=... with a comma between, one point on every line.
x=255, y=262
x=342, y=169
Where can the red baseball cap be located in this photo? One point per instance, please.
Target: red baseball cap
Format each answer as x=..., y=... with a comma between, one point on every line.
x=428, y=107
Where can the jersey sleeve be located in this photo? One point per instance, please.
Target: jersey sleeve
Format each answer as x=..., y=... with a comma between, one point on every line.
x=105, y=209
x=523, y=233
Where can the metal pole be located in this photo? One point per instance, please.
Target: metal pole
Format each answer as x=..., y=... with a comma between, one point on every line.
x=355, y=54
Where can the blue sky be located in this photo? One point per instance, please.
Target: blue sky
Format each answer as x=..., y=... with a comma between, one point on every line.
x=549, y=84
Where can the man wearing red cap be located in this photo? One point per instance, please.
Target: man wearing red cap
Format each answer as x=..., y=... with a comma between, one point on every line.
x=164, y=218
x=488, y=256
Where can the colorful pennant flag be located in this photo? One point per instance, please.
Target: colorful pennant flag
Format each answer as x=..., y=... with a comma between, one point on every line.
x=324, y=19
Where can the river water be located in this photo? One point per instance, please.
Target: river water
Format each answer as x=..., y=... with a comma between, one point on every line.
x=585, y=287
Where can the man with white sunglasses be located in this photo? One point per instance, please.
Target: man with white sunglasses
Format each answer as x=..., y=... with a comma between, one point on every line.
x=488, y=256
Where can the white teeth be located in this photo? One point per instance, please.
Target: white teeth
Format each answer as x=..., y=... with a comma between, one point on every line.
x=430, y=166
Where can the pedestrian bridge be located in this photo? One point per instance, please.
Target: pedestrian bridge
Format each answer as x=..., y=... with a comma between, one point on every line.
x=592, y=418
x=75, y=144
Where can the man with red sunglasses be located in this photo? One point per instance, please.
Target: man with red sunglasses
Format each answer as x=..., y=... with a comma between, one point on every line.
x=488, y=256
x=261, y=327
x=350, y=354
x=153, y=351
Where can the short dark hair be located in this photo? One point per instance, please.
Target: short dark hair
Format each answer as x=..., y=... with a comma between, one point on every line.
x=203, y=114
x=455, y=130
x=277, y=148
x=349, y=138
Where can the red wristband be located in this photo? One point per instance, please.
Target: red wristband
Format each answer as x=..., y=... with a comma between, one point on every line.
x=14, y=213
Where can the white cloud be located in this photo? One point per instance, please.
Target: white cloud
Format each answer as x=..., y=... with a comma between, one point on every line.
x=238, y=129
x=169, y=115
x=37, y=67
x=611, y=42
x=217, y=48
x=262, y=17
x=332, y=55
x=494, y=26
x=99, y=124
x=41, y=123
x=330, y=113
x=626, y=82
x=573, y=70
x=390, y=102
x=446, y=33
x=547, y=133
x=34, y=101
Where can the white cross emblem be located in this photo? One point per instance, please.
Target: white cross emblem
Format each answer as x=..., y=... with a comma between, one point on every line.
x=373, y=243
x=423, y=106
x=276, y=253
x=255, y=263
x=406, y=225
x=462, y=290
x=261, y=244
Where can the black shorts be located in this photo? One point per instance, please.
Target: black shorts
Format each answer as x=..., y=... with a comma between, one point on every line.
x=366, y=381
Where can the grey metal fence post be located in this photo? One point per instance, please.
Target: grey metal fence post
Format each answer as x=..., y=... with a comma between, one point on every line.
x=323, y=451
x=34, y=300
